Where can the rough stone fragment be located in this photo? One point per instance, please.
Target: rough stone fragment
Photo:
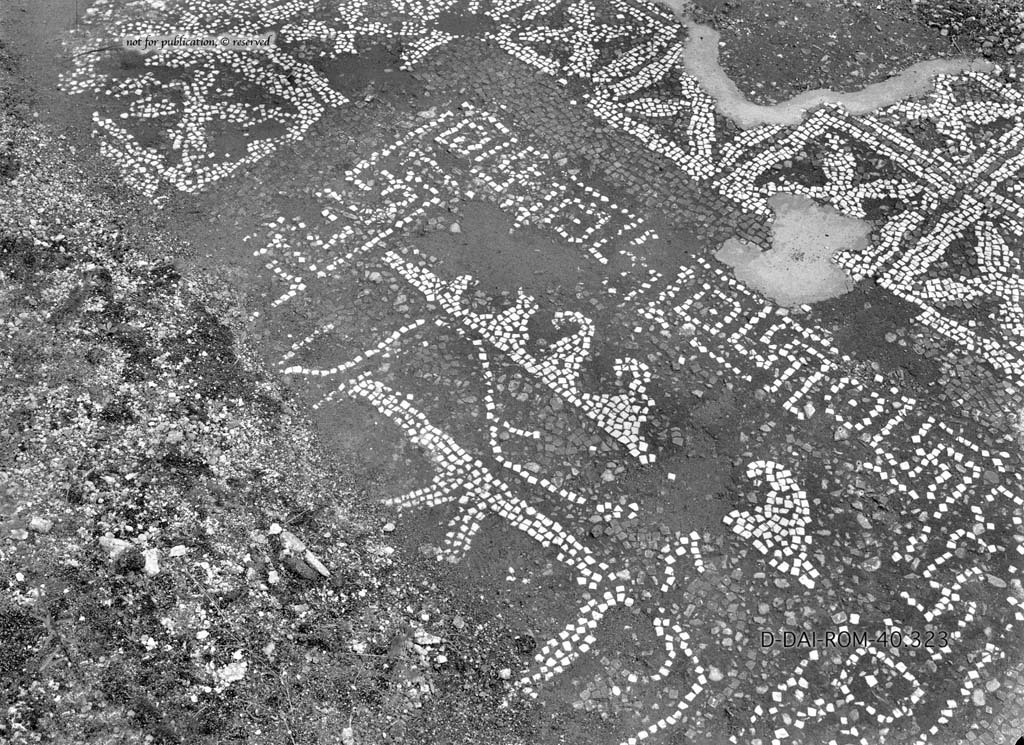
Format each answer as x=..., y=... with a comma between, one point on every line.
x=40, y=525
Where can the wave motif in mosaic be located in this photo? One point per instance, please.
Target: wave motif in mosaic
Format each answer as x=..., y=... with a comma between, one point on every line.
x=958, y=184
x=949, y=164
x=951, y=500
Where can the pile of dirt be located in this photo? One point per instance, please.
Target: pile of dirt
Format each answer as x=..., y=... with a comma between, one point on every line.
x=179, y=562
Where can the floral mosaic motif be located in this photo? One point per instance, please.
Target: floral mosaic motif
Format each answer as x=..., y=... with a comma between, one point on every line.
x=952, y=186
x=956, y=492
x=958, y=193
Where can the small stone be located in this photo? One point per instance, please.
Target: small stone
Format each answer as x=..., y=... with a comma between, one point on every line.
x=425, y=638
x=19, y=534
x=1018, y=588
x=314, y=561
x=114, y=546
x=715, y=674
x=291, y=542
x=40, y=525
x=274, y=529
x=978, y=697
x=178, y=550
x=996, y=581
x=455, y=228
x=152, y=559
x=273, y=577
x=233, y=672
x=459, y=622
x=871, y=565
x=389, y=527
x=505, y=673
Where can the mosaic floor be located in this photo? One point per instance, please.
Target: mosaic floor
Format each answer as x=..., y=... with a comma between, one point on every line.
x=754, y=534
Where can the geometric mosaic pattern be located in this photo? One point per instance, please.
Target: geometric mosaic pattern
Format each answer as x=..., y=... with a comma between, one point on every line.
x=779, y=528
x=948, y=512
x=956, y=186
x=964, y=496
